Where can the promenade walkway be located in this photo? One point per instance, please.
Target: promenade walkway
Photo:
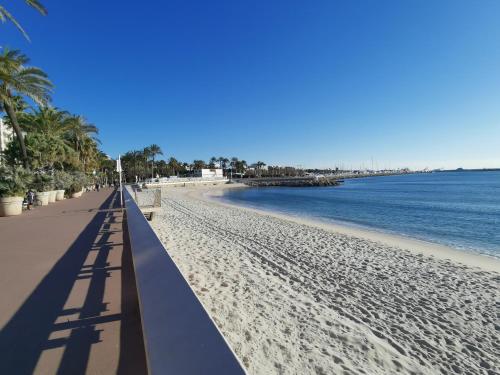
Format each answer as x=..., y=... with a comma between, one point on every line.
x=68, y=301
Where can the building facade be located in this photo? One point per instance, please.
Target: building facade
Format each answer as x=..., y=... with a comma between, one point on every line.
x=6, y=135
x=209, y=173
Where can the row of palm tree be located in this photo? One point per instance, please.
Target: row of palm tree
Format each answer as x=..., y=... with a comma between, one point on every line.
x=142, y=164
x=233, y=164
x=53, y=152
x=17, y=80
x=136, y=162
x=46, y=139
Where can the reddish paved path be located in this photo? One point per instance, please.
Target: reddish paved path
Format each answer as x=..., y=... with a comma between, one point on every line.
x=68, y=302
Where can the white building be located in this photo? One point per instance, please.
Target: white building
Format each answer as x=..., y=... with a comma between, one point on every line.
x=6, y=135
x=209, y=173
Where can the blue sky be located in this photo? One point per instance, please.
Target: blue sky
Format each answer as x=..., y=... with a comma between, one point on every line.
x=312, y=83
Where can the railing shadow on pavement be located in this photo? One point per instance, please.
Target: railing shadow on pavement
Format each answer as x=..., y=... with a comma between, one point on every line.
x=27, y=334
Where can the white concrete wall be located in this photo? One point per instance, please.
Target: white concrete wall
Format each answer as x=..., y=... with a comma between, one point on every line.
x=208, y=173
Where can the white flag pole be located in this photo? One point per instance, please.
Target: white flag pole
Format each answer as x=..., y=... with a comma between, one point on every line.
x=119, y=169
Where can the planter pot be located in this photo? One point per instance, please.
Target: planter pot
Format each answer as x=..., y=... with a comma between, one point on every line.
x=52, y=196
x=42, y=198
x=59, y=195
x=77, y=194
x=10, y=206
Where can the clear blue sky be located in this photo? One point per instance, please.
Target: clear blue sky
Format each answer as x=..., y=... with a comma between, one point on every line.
x=313, y=83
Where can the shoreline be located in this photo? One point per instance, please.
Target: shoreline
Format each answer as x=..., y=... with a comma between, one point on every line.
x=295, y=296
x=415, y=245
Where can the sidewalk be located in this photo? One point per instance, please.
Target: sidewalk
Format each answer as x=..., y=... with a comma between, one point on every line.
x=68, y=302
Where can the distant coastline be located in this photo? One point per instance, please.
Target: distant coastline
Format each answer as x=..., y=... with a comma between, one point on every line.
x=452, y=209
x=470, y=170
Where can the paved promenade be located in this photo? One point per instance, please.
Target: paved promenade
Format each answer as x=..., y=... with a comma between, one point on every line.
x=68, y=301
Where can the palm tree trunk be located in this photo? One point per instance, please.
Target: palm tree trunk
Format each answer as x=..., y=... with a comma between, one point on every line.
x=19, y=134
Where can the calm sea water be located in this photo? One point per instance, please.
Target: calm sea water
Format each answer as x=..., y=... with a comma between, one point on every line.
x=458, y=209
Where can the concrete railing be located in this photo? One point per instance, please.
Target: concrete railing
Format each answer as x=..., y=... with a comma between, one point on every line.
x=179, y=336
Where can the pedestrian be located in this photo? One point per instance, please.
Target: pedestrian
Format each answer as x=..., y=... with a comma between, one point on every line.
x=97, y=186
x=30, y=199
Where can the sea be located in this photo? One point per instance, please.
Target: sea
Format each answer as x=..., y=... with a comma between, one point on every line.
x=457, y=209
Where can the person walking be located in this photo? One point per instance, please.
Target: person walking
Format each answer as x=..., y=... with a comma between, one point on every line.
x=30, y=199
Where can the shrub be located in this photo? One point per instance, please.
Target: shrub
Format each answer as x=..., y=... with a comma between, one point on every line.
x=62, y=180
x=42, y=182
x=75, y=187
x=14, y=181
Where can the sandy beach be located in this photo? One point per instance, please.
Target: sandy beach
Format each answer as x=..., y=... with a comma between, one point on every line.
x=294, y=296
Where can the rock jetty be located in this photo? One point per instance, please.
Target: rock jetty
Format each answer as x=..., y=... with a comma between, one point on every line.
x=291, y=182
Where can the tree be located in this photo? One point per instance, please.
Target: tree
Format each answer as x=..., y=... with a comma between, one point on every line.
x=233, y=164
x=259, y=166
x=153, y=151
x=198, y=164
x=63, y=129
x=5, y=14
x=174, y=165
x=212, y=162
x=78, y=129
x=18, y=79
x=240, y=166
x=220, y=159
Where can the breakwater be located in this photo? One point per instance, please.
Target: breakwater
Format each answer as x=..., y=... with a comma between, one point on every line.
x=290, y=181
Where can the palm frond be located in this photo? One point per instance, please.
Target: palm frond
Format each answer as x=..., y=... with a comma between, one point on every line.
x=38, y=6
x=5, y=15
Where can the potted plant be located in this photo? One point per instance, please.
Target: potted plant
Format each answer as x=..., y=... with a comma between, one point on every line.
x=76, y=190
x=43, y=185
x=62, y=182
x=13, y=186
x=79, y=180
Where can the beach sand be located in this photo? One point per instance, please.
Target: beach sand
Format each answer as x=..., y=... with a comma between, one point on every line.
x=294, y=296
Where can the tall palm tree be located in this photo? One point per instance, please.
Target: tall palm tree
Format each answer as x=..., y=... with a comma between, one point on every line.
x=212, y=162
x=198, y=164
x=220, y=159
x=233, y=164
x=153, y=151
x=46, y=141
x=46, y=120
x=259, y=166
x=79, y=129
x=146, y=154
x=5, y=14
x=89, y=154
x=174, y=165
x=138, y=157
x=18, y=79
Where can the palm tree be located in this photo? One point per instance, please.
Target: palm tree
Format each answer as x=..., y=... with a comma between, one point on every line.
x=18, y=79
x=89, y=155
x=153, y=150
x=46, y=120
x=243, y=166
x=174, y=165
x=46, y=141
x=79, y=129
x=5, y=14
x=146, y=154
x=259, y=166
x=212, y=162
x=198, y=164
x=234, y=163
x=220, y=159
